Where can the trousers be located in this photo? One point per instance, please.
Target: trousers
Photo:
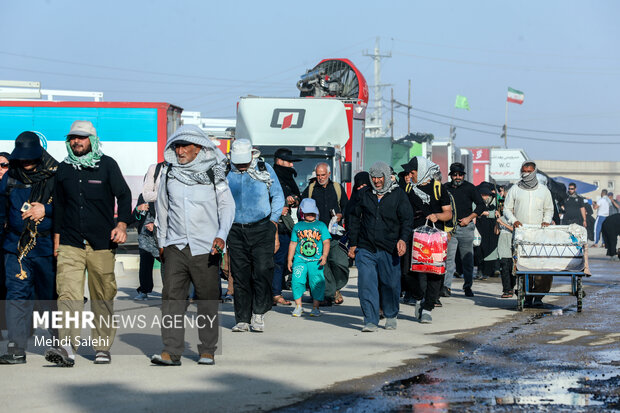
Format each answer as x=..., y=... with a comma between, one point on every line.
x=462, y=241
x=378, y=284
x=311, y=271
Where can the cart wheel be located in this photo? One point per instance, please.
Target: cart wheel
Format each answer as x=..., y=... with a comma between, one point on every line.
x=520, y=292
x=579, y=294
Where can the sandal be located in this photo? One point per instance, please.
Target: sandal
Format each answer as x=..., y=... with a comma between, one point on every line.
x=278, y=299
x=338, y=299
x=507, y=295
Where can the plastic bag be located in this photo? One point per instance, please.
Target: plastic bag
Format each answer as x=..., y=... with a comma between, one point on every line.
x=477, y=237
x=429, y=250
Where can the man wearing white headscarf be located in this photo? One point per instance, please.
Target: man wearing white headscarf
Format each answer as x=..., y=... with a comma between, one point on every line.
x=530, y=203
x=195, y=210
x=379, y=229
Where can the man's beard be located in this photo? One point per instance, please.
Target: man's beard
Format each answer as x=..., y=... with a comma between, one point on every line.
x=457, y=183
x=82, y=153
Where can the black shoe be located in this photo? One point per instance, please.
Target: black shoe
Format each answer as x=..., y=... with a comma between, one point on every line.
x=438, y=303
x=445, y=292
x=18, y=357
x=59, y=356
x=468, y=292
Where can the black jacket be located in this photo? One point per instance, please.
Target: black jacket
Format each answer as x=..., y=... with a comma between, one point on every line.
x=84, y=203
x=327, y=199
x=380, y=225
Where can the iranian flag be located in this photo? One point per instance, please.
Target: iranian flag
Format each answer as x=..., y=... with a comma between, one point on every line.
x=515, y=96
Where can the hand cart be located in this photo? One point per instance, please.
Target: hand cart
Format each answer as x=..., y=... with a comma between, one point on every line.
x=553, y=251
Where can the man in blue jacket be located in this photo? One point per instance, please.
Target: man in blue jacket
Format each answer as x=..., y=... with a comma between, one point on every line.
x=253, y=238
x=25, y=213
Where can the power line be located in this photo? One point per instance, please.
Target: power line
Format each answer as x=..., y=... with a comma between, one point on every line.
x=511, y=136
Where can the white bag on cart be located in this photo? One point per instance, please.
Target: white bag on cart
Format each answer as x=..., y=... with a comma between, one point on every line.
x=552, y=248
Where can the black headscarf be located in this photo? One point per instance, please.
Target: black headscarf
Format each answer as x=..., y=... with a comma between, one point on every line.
x=41, y=179
x=286, y=176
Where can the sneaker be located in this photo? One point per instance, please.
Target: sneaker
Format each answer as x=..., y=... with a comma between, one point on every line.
x=59, y=356
x=298, y=311
x=241, y=327
x=615, y=258
x=14, y=355
x=369, y=328
x=315, y=312
x=164, y=359
x=426, y=318
x=227, y=298
x=103, y=357
x=390, y=323
x=445, y=292
x=468, y=292
x=407, y=299
x=258, y=323
x=418, y=309
x=206, y=359
x=141, y=297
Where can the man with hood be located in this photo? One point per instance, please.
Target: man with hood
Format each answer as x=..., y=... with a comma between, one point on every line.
x=195, y=210
x=253, y=238
x=284, y=167
x=462, y=240
x=429, y=203
x=26, y=216
x=379, y=229
x=88, y=184
x=530, y=203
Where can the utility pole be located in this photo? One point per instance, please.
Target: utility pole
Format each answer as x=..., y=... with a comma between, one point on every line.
x=377, y=126
x=392, y=113
x=409, y=110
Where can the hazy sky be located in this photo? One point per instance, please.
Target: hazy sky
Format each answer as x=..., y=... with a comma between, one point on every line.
x=203, y=55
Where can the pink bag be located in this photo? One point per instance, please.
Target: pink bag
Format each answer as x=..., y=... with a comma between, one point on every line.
x=429, y=250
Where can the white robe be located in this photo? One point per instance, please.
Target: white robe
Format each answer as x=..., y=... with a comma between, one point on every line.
x=528, y=207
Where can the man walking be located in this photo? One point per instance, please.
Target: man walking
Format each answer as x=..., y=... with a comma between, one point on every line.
x=530, y=203
x=380, y=225
x=286, y=173
x=331, y=199
x=194, y=213
x=26, y=216
x=602, y=207
x=85, y=238
x=465, y=195
x=574, y=208
x=253, y=238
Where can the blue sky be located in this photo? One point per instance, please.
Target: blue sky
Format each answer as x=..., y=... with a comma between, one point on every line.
x=204, y=55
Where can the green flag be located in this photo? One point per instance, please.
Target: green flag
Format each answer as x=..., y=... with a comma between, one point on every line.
x=461, y=102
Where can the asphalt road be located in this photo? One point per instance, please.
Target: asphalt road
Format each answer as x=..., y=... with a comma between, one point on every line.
x=553, y=359
x=327, y=359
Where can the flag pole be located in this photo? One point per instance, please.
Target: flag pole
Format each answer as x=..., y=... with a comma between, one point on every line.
x=506, y=126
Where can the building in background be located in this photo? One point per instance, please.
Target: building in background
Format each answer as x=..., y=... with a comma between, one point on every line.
x=603, y=174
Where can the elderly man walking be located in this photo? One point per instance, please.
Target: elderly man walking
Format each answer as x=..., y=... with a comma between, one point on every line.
x=530, y=203
x=253, y=238
x=331, y=200
x=195, y=210
x=26, y=217
x=379, y=228
x=85, y=238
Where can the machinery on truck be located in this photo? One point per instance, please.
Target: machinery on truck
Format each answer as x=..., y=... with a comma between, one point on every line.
x=325, y=123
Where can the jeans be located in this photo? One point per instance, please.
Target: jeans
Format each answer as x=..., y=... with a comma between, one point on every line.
x=378, y=284
x=598, y=225
x=40, y=284
x=462, y=241
x=279, y=261
x=251, y=261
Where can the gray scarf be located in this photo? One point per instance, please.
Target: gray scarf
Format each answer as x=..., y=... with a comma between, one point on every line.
x=529, y=181
x=377, y=170
x=427, y=171
x=195, y=172
x=254, y=172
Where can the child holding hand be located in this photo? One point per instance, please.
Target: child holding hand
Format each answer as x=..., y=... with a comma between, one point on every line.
x=307, y=254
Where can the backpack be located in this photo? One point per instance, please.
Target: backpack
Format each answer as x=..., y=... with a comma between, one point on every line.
x=451, y=224
x=337, y=188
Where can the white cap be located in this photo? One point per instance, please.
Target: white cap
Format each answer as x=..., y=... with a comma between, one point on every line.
x=82, y=128
x=241, y=151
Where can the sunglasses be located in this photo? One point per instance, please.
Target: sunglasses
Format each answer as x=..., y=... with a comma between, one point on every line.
x=457, y=174
x=71, y=137
x=4, y=165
